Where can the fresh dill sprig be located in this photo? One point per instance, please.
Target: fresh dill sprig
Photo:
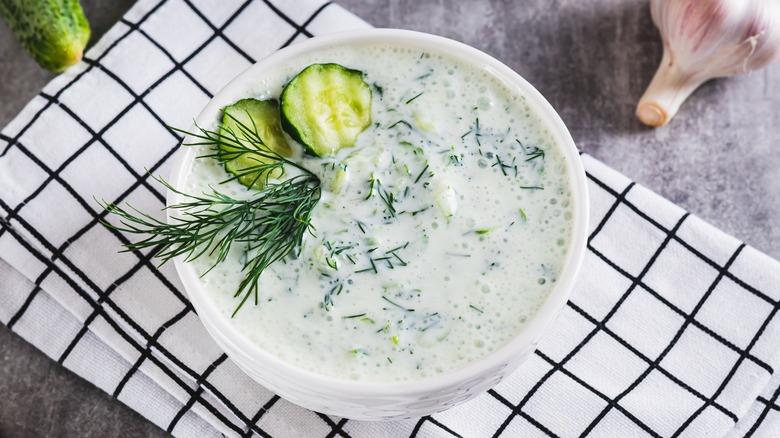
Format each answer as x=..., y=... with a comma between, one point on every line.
x=268, y=226
x=406, y=309
x=327, y=301
x=534, y=154
x=503, y=166
x=422, y=172
x=400, y=122
x=228, y=145
x=412, y=99
x=388, y=198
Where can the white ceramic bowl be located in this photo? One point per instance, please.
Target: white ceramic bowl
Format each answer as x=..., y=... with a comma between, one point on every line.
x=404, y=399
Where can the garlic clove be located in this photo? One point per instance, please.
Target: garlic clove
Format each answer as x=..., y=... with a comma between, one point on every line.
x=705, y=39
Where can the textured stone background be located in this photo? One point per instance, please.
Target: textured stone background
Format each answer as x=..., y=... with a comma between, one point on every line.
x=591, y=59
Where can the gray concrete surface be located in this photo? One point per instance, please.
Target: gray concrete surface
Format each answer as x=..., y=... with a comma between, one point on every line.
x=591, y=59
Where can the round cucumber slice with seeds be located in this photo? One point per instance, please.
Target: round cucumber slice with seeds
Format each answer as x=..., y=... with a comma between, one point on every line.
x=325, y=107
x=245, y=122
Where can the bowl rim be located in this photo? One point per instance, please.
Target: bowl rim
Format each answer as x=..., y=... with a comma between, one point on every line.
x=535, y=327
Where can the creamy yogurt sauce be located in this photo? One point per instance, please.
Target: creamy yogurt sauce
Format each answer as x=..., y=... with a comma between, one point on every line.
x=437, y=236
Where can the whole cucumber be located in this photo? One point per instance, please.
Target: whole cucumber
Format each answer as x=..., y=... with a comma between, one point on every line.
x=54, y=32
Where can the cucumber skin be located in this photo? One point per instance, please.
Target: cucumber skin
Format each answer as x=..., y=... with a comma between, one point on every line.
x=54, y=32
x=288, y=126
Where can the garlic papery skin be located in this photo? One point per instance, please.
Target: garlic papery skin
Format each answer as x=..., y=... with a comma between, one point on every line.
x=706, y=39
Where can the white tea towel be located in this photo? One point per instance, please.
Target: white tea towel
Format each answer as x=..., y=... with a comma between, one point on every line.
x=671, y=331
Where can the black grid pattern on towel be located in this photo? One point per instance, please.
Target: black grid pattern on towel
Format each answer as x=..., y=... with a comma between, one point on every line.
x=197, y=382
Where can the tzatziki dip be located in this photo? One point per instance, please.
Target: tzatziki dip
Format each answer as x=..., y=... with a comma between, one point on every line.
x=437, y=236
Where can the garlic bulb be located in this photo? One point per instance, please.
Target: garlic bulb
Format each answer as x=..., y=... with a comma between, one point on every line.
x=705, y=39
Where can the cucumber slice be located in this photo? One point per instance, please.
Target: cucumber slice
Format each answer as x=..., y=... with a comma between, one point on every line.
x=325, y=107
x=251, y=113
